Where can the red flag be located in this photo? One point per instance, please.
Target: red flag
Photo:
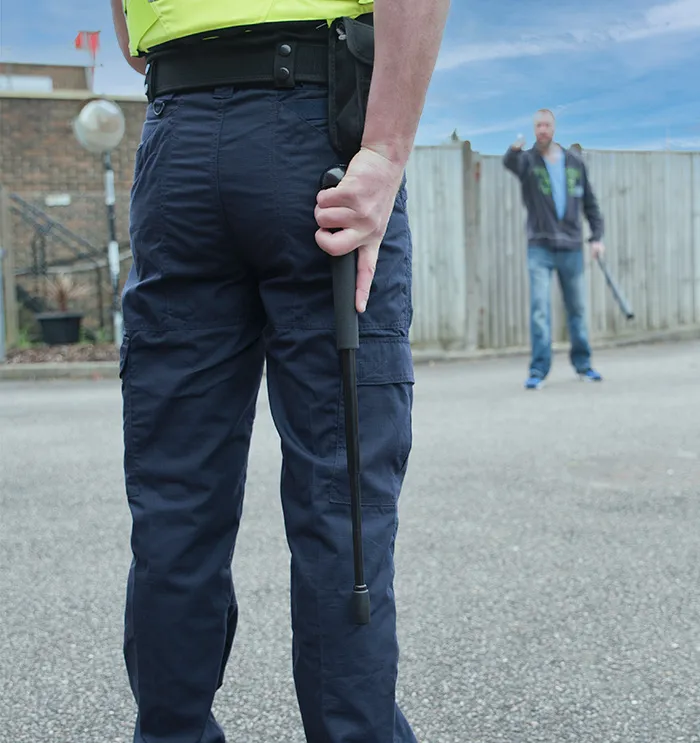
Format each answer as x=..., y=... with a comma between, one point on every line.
x=89, y=40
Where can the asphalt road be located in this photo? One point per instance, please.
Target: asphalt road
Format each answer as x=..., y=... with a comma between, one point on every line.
x=548, y=561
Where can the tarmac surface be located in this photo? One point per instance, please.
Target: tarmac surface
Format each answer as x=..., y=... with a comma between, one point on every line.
x=548, y=561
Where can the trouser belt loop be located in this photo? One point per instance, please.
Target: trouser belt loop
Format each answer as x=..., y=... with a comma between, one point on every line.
x=285, y=57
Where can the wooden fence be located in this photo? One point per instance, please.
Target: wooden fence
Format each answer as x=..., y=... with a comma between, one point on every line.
x=470, y=287
x=470, y=274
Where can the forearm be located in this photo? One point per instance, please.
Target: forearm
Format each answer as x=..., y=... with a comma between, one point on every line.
x=408, y=34
x=593, y=214
x=512, y=160
x=596, y=223
x=137, y=63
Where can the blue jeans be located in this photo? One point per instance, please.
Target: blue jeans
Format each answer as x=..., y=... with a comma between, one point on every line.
x=568, y=264
x=227, y=276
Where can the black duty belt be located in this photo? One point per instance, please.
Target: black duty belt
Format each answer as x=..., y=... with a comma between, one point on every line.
x=279, y=55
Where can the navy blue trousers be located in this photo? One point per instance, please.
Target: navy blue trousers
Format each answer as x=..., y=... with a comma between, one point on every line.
x=227, y=277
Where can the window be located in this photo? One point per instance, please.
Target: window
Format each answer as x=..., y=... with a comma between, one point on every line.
x=26, y=83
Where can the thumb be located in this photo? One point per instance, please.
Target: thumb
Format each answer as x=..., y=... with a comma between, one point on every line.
x=366, y=267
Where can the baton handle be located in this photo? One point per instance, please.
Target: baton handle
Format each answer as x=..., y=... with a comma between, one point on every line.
x=347, y=332
x=344, y=268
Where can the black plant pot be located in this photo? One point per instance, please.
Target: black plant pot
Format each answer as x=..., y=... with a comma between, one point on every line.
x=59, y=328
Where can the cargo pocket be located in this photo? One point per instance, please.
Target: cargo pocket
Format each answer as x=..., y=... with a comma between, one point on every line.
x=123, y=354
x=385, y=399
x=308, y=106
x=159, y=113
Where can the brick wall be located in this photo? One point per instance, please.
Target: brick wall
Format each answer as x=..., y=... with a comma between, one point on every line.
x=65, y=77
x=40, y=158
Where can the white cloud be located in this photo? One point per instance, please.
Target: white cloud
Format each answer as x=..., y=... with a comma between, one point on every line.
x=438, y=100
x=440, y=129
x=660, y=143
x=675, y=17
x=514, y=126
x=488, y=52
x=669, y=18
x=684, y=143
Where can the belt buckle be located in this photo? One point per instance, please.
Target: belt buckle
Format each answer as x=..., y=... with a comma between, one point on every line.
x=283, y=69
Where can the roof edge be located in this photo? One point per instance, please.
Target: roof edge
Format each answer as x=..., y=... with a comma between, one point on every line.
x=69, y=95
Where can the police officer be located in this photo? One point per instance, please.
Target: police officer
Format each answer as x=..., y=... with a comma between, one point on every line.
x=249, y=103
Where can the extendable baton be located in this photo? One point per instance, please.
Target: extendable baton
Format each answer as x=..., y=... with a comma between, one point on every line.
x=622, y=302
x=344, y=271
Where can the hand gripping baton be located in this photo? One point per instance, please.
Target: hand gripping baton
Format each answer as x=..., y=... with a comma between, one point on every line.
x=344, y=269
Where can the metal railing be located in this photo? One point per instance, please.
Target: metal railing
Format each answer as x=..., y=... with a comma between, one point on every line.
x=84, y=256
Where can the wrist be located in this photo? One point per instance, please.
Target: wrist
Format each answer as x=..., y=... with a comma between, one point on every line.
x=395, y=152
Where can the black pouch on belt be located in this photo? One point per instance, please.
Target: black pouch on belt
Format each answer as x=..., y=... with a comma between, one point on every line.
x=350, y=64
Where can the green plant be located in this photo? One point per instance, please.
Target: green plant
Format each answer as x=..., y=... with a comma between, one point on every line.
x=24, y=339
x=102, y=335
x=90, y=336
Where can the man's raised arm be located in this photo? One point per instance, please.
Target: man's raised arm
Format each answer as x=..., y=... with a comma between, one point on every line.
x=408, y=34
x=138, y=63
x=514, y=159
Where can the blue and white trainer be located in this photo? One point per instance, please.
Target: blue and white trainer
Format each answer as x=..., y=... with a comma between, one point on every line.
x=534, y=382
x=590, y=375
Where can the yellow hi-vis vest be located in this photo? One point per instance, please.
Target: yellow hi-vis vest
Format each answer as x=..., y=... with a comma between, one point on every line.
x=153, y=22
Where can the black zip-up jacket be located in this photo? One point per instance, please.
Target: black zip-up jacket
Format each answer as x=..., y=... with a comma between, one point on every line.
x=543, y=226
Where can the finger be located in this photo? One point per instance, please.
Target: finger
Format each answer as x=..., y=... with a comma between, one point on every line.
x=366, y=267
x=336, y=196
x=334, y=217
x=338, y=243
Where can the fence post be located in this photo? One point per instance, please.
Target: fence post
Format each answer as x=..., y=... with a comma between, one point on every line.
x=3, y=354
x=471, y=185
x=695, y=235
x=9, y=298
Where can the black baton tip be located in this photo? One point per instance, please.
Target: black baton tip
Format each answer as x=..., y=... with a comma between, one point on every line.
x=360, y=605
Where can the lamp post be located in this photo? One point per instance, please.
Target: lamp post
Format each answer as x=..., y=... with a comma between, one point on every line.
x=99, y=128
x=2, y=310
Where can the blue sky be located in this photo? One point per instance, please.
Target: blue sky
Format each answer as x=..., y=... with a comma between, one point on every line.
x=619, y=75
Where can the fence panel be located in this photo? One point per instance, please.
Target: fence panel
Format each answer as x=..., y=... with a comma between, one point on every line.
x=436, y=211
x=695, y=232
